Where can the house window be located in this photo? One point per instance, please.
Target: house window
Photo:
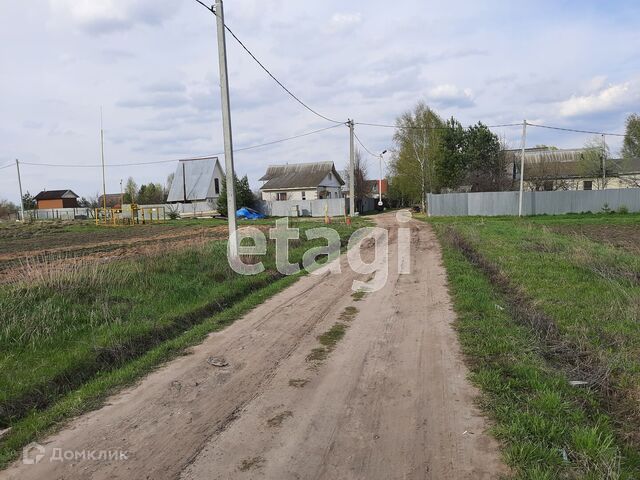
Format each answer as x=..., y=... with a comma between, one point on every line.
x=304, y=195
x=281, y=196
x=330, y=176
x=587, y=185
x=216, y=185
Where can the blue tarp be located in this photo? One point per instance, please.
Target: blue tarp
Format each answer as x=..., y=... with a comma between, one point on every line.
x=249, y=214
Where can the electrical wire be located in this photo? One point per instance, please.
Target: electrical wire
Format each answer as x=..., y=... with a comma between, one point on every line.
x=383, y=125
x=7, y=165
x=246, y=49
x=576, y=131
x=363, y=146
x=207, y=157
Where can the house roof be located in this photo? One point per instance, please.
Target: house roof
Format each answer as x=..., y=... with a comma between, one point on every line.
x=298, y=175
x=616, y=167
x=55, y=195
x=372, y=186
x=112, y=199
x=198, y=181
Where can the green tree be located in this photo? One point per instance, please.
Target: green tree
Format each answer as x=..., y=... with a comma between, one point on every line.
x=451, y=166
x=631, y=143
x=591, y=161
x=244, y=195
x=150, y=194
x=28, y=201
x=487, y=166
x=416, y=138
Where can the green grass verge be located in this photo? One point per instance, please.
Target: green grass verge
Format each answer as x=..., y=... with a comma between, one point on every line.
x=70, y=340
x=590, y=292
x=38, y=424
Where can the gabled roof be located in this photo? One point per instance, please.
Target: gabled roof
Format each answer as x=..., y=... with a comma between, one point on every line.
x=200, y=177
x=298, y=175
x=55, y=195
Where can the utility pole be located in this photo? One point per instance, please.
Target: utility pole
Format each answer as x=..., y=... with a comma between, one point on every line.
x=226, y=125
x=20, y=186
x=524, y=145
x=380, y=203
x=104, y=183
x=604, y=160
x=352, y=171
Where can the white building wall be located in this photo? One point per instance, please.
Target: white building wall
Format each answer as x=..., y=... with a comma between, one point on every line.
x=309, y=194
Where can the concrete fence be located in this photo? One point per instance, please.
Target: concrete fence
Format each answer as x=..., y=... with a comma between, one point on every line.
x=333, y=207
x=533, y=203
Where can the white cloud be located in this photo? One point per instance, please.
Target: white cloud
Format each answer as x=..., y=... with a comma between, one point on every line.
x=106, y=16
x=343, y=21
x=605, y=99
x=448, y=95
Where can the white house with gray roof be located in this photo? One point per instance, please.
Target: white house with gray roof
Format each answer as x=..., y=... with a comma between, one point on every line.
x=301, y=181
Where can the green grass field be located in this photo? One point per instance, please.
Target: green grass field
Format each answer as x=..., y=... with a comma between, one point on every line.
x=73, y=336
x=539, y=306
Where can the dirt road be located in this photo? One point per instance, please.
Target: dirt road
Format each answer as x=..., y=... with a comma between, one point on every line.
x=391, y=401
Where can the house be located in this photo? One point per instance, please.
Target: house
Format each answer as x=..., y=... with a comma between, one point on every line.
x=301, y=181
x=56, y=199
x=372, y=186
x=197, y=180
x=114, y=200
x=572, y=169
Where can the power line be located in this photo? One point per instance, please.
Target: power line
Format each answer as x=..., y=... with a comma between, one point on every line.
x=246, y=49
x=402, y=127
x=575, y=130
x=7, y=165
x=363, y=146
x=155, y=162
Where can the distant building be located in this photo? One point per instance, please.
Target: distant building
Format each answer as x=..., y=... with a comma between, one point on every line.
x=301, y=181
x=197, y=181
x=56, y=199
x=113, y=200
x=372, y=186
x=572, y=169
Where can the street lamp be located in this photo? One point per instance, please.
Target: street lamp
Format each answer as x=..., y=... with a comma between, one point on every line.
x=380, y=181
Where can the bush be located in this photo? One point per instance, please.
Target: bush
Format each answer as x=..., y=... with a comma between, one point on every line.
x=623, y=209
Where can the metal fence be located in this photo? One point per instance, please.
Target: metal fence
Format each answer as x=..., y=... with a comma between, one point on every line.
x=59, y=214
x=333, y=207
x=533, y=203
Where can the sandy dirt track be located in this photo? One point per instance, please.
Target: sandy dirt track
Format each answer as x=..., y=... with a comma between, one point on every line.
x=390, y=402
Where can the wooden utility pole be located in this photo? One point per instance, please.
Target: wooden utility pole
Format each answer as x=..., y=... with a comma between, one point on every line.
x=226, y=126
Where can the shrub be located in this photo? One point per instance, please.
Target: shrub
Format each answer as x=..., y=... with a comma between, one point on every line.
x=623, y=209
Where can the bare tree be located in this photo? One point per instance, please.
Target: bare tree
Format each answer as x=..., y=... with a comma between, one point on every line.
x=360, y=184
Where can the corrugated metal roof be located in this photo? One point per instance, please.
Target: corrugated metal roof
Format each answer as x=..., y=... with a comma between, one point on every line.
x=298, y=175
x=560, y=169
x=200, y=177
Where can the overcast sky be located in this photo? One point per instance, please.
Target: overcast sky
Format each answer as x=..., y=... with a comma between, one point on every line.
x=152, y=66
